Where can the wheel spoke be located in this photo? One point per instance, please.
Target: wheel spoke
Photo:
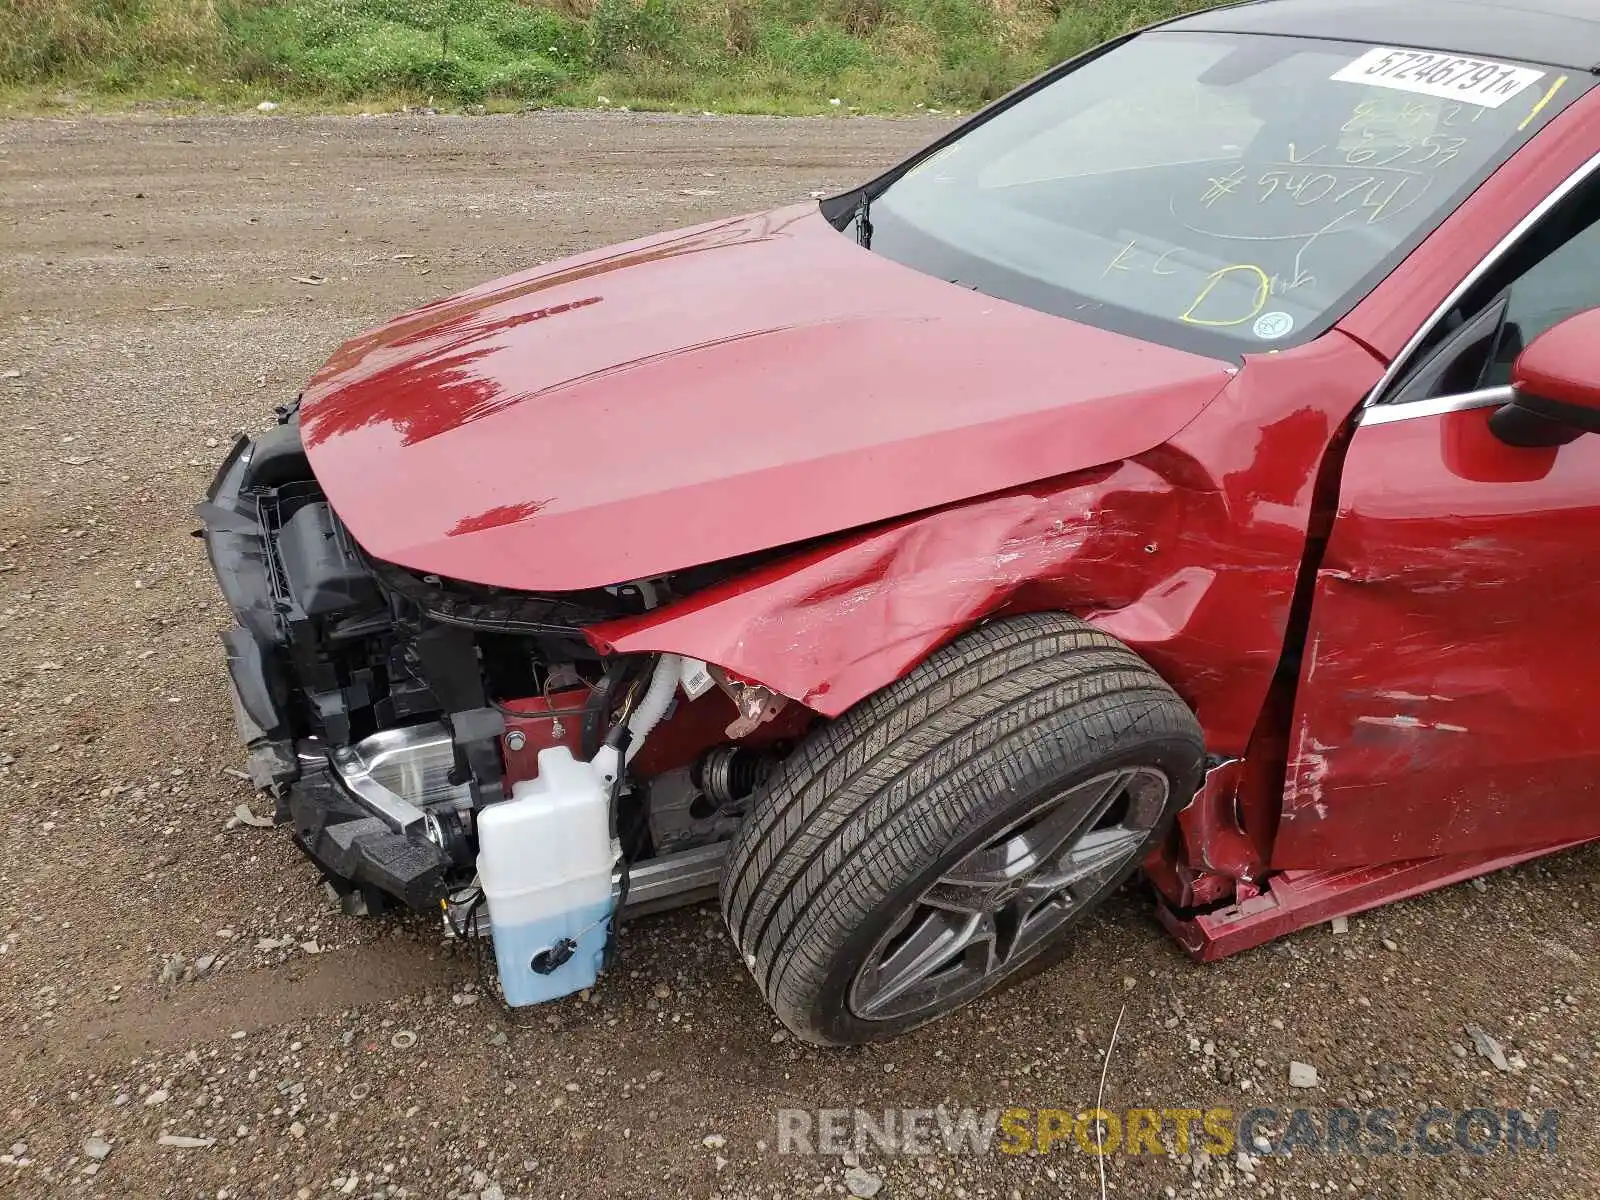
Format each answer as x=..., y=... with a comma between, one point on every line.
x=1020, y=853
x=937, y=939
x=982, y=871
x=1074, y=815
x=1088, y=864
x=1028, y=919
x=1051, y=898
x=1009, y=924
x=963, y=895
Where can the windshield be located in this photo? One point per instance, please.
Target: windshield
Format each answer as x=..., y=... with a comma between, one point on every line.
x=1220, y=193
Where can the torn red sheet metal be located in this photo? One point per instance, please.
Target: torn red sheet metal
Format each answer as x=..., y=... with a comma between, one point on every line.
x=1296, y=899
x=1188, y=553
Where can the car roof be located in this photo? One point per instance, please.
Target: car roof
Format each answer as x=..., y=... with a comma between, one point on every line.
x=1563, y=33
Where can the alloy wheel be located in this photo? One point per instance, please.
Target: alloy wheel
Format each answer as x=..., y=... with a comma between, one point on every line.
x=1000, y=903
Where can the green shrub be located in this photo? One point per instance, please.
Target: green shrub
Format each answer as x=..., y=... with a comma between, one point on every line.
x=977, y=78
x=532, y=79
x=859, y=17
x=539, y=32
x=963, y=21
x=821, y=52
x=770, y=55
x=124, y=40
x=396, y=59
x=622, y=31
x=449, y=49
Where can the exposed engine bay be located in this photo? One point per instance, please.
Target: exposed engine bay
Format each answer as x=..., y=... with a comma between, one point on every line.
x=387, y=712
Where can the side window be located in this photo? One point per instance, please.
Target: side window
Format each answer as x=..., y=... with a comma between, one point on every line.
x=1560, y=286
x=1553, y=274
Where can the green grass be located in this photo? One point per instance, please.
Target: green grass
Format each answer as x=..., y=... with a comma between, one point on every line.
x=782, y=56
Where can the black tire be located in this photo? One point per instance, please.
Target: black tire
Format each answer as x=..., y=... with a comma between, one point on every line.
x=873, y=809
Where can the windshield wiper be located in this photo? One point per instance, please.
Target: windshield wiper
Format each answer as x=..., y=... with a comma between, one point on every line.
x=863, y=221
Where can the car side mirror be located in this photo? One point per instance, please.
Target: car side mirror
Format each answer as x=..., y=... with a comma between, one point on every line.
x=1555, y=385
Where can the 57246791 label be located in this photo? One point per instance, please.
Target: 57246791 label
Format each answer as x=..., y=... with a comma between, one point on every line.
x=1449, y=76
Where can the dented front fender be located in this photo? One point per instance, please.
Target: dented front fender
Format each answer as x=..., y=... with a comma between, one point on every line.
x=1188, y=554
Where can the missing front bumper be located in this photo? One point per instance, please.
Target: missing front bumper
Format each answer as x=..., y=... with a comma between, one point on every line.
x=383, y=819
x=655, y=885
x=316, y=665
x=367, y=861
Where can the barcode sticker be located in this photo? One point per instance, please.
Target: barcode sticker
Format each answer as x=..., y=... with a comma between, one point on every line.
x=1448, y=76
x=696, y=678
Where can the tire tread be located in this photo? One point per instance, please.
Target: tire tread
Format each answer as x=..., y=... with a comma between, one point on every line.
x=874, y=796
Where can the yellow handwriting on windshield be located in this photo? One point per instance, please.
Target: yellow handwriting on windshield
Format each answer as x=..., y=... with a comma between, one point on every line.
x=1263, y=290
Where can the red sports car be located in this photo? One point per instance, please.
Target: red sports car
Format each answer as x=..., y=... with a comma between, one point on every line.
x=1178, y=465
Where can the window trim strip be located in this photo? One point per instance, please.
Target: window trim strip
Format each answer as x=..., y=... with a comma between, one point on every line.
x=1387, y=414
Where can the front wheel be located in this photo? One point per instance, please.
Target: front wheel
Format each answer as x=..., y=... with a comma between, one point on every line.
x=939, y=840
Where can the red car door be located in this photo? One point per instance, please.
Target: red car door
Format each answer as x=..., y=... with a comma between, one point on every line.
x=1449, y=691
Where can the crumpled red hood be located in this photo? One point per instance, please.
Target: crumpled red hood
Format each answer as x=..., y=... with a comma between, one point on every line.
x=708, y=393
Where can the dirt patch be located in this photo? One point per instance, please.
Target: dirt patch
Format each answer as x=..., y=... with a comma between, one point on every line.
x=149, y=308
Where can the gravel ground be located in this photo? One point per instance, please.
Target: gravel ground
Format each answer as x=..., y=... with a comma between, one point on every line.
x=148, y=310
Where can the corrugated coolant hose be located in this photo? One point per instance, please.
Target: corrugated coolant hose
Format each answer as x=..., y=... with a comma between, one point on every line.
x=663, y=682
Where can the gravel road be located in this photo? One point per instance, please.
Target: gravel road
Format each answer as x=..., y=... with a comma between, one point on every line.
x=149, y=309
